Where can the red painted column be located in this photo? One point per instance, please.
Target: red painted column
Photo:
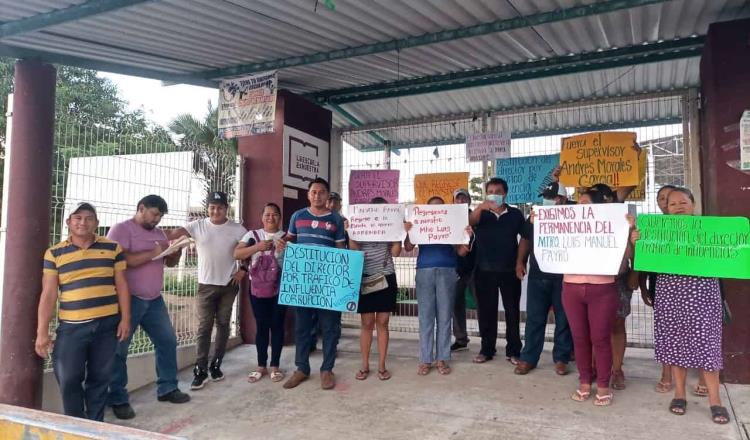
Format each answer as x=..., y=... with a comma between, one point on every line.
x=725, y=90
x=264, y=176
x=27, y=235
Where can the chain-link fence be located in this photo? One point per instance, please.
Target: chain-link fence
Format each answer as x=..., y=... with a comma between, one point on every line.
x=444, y=151
x=113, y=170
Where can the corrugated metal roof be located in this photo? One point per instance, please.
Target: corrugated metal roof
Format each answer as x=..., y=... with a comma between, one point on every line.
x=189, y=36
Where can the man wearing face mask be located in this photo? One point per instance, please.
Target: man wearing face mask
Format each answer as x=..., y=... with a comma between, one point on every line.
x=544, y=290
x=497, y=227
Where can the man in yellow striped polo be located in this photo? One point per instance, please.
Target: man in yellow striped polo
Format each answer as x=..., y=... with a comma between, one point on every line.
x=87, y=274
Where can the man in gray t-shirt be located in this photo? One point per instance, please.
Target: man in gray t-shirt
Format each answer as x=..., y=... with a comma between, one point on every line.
x=218, y=283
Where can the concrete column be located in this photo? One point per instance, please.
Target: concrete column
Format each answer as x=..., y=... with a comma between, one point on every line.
x=28, y=231
x=725, y=91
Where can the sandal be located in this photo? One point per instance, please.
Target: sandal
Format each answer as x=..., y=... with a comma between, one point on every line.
x=663, y=387
x=719, y=415
x=580, y=396
x=480, y=359
x=256, y=375
x=384, y=374
x=618, y=380
x=678, y=407
x=443, y=368
x=424, y=369
x=362, y=374
x=604, y=400
x=700, y=390
x=277, y=376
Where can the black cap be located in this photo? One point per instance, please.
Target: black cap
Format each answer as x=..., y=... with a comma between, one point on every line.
x=84, y=206
x=334, y=196
x=217, y=197
x=553, y=190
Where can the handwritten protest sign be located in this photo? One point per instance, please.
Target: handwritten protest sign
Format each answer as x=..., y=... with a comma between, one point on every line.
x=321, y=277
x=438, y=224
x=603, y=157
x=581, y=239
x=487, y=146
x=694, y=245
x=365, y=185
x=639, y=192
x=526, y=176
x=440, y=184
x=376, y=222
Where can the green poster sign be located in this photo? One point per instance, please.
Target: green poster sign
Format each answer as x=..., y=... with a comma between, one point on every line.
x=694, y=245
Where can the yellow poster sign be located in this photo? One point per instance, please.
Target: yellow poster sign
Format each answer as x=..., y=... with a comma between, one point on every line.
x=639, y=193
x=601, y=157
x=440, y=184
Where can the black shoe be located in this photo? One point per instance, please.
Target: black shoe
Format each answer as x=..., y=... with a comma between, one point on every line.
x=459, y=347
x=175, y=396
x=215, y=370
x=123, y=411
x=200, y=375
x=313, y=348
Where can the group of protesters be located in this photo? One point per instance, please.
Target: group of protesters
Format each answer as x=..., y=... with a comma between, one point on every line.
x=108, y=287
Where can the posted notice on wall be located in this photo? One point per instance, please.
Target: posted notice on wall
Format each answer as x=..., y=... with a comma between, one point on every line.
x=602, y=157
x=247, y=105
x=441, y=185
x=438, y=224
x=581, y=239
x=365, y=185
x=487, y=146
x=694, y=245
x=321, y=277
x=526, y=176
x=376, y=222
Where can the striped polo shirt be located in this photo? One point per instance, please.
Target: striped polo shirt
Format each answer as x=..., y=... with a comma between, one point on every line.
x=317, y=230
x=86, y=278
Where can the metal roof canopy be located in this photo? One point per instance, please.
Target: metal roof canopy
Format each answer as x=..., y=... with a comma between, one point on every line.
x=383, y=60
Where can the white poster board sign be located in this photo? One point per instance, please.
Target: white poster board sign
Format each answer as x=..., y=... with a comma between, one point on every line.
x=438, y=224
x=487, y=146
x=305, y=158
x=381, y=222
x=581, y=239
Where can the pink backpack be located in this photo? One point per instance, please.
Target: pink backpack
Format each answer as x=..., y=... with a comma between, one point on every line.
x=265, y=274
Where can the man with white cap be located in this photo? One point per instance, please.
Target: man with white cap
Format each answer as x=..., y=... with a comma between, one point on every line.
x=544, y=290
x=465, y=272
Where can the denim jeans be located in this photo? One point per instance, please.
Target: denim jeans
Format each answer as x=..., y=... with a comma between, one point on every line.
x=330, y=326
x=543, y=293
x=82, y=361
x=436, y=290
x=152, y=316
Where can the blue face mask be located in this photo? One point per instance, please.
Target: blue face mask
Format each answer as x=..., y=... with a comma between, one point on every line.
x=548, y=202
x=497, y=198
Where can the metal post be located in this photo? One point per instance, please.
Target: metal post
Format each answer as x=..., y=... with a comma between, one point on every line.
x=387, y=155
x=6, y=182
x=28, y=201
x=692, y=149
x=485, y=169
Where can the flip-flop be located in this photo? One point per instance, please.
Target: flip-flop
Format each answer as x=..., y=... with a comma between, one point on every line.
x=362, y=374
x=384, y=374
x=618, y=380
x=700, y=390
x=580, y=396
x=255, y=376
x=277, y=376
x=443, y=368
x=604, y=400
x=662, y=387
x=678, y=407
x=424, y=369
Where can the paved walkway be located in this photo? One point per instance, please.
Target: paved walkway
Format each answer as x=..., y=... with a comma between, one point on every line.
x=475, y=402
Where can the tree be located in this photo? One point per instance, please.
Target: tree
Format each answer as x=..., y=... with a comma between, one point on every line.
x=475, y=188
x=214, y=158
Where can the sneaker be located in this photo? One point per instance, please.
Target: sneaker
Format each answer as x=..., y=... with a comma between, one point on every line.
x=215, y=370
x=327, y=381
x=297, y=378
x=175, y=396
x=123, y=411
x=200, y=376
x=459, y=347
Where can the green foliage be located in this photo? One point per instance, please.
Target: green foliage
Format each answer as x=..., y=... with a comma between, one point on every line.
x=185, y=287
x=475, y=188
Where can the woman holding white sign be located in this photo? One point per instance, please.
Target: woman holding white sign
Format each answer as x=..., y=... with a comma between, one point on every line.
x=436, y=289
x=688, y=324
x=377, y=298
x=591, y=303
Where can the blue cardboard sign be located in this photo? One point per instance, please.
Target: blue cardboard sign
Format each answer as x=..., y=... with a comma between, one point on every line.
x=321, y=277
x=526, y=176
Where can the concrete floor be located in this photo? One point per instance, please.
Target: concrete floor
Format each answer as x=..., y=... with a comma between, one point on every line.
x=475, y=402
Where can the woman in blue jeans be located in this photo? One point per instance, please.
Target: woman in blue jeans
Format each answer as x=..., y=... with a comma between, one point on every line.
x=436, y=286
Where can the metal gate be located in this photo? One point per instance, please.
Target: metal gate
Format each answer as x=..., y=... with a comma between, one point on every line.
x=438, y=146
